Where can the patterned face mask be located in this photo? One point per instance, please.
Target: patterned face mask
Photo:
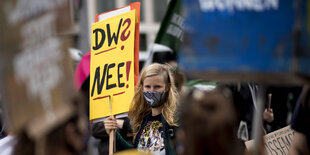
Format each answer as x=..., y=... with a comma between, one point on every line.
x=155, y=99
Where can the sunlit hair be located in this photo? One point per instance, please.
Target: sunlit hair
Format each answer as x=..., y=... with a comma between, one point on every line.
x=140, y=109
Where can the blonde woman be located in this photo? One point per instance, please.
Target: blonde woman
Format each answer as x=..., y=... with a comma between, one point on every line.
x=152, y=112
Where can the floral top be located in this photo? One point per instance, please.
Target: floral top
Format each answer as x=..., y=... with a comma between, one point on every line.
x=151, y=138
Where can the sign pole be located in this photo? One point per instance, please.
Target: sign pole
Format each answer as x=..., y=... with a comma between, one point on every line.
x=111, y=141
x=112, y=133
x=269, y=101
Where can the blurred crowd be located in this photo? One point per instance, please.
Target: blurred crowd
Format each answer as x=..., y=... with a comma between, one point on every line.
x=171, y=114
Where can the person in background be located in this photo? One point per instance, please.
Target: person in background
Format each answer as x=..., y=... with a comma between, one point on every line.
x=301, y=125
x=283, y=101
x=152, y=112
x=244, y=99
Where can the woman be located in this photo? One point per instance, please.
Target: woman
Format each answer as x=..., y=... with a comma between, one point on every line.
x=152, y=112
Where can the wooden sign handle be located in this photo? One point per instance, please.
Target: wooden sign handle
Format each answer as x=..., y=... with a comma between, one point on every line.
x=112, y=141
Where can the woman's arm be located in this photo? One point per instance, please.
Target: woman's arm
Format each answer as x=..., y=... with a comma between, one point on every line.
x=121, y=143
x=98, y=130
x=111, y=124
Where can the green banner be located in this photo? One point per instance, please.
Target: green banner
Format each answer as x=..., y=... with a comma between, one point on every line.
x=171, y=30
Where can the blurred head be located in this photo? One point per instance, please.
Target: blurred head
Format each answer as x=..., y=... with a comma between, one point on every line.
x=208, y=122
x=154, y=78
x=68, y=136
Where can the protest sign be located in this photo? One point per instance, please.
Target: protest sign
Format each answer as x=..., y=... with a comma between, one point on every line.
x=112, y=65
x=37, y=73
x=277, y=142
x=263, y=40
x=132, y=6
x=82, y=71
x=24, y=24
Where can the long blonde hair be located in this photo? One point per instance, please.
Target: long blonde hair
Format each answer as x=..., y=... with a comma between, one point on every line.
x=140, y=109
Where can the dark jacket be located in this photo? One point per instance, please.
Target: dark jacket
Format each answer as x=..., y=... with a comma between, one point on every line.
x=99, y=132
x=301, y=117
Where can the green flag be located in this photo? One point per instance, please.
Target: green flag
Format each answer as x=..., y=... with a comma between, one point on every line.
x=170, y=33
x=169, y=36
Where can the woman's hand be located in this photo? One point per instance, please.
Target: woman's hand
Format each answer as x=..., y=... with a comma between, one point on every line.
x=110, y=124
x=268, y=115
x=120, y=123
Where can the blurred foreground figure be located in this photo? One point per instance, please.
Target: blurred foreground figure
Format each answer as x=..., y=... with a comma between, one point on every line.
x=301, y=124
x=66, y=138
x=209, y=123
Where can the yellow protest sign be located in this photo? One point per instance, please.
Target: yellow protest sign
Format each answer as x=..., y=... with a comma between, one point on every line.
x=112, y=65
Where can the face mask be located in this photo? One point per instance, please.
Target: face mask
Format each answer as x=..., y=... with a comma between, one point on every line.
x=155, y=99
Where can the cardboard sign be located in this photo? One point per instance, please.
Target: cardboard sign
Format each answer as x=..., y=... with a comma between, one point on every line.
x=23, y=24
x=277, y=142
x=37, y=74
x=38, y=83
x=112, y=67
